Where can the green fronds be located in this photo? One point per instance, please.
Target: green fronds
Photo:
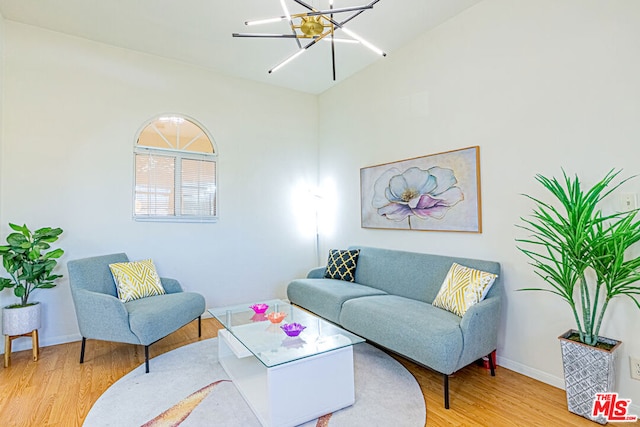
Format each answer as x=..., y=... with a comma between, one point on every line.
x=570, y=237
x=25, y=259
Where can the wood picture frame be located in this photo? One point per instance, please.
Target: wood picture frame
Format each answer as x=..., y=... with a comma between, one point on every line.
x=436, y=192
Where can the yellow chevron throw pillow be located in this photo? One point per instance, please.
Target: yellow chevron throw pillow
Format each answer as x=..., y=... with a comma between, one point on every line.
x=462, y=288
x=135, y=280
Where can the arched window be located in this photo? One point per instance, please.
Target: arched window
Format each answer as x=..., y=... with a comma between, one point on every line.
x=175, y=171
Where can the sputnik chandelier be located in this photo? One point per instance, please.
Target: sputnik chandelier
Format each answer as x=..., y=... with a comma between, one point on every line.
x=314, y=26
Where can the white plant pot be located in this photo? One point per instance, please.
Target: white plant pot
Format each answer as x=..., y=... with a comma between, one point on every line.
x=587, y=370
x=20, y=320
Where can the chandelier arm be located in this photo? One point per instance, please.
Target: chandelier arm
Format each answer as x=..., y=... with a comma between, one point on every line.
x=333, y=45
x=359, y=10
x=367, y=44
x=333, y=58
x=265, y=20
x=341, y=10
x=286, y=61
x=316, y=40
x=294, y=34
x=270, y=36
x=305, y=5
x=298, y=53
x=370, y=5
x=288, y=15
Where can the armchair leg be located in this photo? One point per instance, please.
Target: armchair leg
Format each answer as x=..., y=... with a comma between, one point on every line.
x=446, y=391
x=84, y=342
x=199, y=326
x=146, y=359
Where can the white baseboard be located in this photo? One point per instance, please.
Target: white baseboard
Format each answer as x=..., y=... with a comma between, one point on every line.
x=531, y=372
x=634, y=408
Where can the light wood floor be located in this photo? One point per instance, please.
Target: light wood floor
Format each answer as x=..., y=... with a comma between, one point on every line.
x=58, y=391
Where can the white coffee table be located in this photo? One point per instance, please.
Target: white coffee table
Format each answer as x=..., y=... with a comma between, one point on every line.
x=286, y=381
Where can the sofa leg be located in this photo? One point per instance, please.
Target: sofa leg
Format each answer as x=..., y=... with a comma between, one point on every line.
x=446, y=391
x=146, y=359
x=84, y=342
x=491, y=365
x=199, y=326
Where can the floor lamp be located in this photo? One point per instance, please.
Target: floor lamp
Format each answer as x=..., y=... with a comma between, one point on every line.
x=317, y=201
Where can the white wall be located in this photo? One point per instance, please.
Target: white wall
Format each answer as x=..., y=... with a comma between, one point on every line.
x=72, y=108
x=539, y=86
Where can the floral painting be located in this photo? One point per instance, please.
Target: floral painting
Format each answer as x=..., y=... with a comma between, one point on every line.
x=438, y=192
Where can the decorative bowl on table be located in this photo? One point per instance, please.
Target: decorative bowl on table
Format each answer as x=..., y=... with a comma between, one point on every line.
x=277, y=316
x=292, y=329
x=259, y=308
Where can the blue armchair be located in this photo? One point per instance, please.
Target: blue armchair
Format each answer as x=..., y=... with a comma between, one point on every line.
x=101, y=315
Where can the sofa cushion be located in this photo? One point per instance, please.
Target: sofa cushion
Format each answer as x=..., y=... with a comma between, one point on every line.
x=155, y=317
x=409, y=274
x=342, y=264
x=415, y=329
x=325, y=297
x=136, y=280
x=462, y=288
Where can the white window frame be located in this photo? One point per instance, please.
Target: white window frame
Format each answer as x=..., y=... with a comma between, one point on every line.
x=178, y=156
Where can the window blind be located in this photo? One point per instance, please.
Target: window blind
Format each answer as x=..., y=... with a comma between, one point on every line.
x=155, y=185
x=198, y=191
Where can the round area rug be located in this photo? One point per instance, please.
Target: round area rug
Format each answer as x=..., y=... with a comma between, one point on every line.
x=188, y=387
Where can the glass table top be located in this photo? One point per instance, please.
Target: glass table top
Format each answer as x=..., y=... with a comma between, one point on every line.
x=269, y=343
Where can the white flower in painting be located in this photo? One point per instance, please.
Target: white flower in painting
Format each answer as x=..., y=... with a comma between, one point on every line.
x=423, y=193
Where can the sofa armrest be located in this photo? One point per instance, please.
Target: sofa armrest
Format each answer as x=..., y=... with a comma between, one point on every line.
x=171, y=286
x=102, y=316
x=316, y=273
x=479, y=327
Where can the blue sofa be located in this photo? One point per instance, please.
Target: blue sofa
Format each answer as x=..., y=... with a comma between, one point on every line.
x=390, y=305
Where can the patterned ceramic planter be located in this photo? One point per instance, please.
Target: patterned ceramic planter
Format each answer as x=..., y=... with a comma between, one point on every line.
x=587, y=370
x=20, y=320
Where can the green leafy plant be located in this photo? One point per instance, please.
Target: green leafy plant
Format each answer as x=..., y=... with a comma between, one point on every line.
x=579, y=252
x=26, y=261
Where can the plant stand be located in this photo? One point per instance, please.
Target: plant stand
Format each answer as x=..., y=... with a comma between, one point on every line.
x=7, y=346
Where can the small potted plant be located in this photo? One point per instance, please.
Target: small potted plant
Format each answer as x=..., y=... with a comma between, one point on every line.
x=30, y=267
x=580, y=253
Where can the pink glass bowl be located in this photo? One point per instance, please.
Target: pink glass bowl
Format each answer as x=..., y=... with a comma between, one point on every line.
x=259, y=317
x=292, y=329
x=276, y=317
x=259, y=308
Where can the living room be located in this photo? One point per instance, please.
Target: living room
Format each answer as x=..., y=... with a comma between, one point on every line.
x=539, y=85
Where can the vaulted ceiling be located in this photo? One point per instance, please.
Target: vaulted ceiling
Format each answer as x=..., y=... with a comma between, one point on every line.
x=199, y=32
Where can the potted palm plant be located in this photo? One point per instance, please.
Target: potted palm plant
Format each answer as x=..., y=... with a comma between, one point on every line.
x=579, y=253
x=30, y=267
